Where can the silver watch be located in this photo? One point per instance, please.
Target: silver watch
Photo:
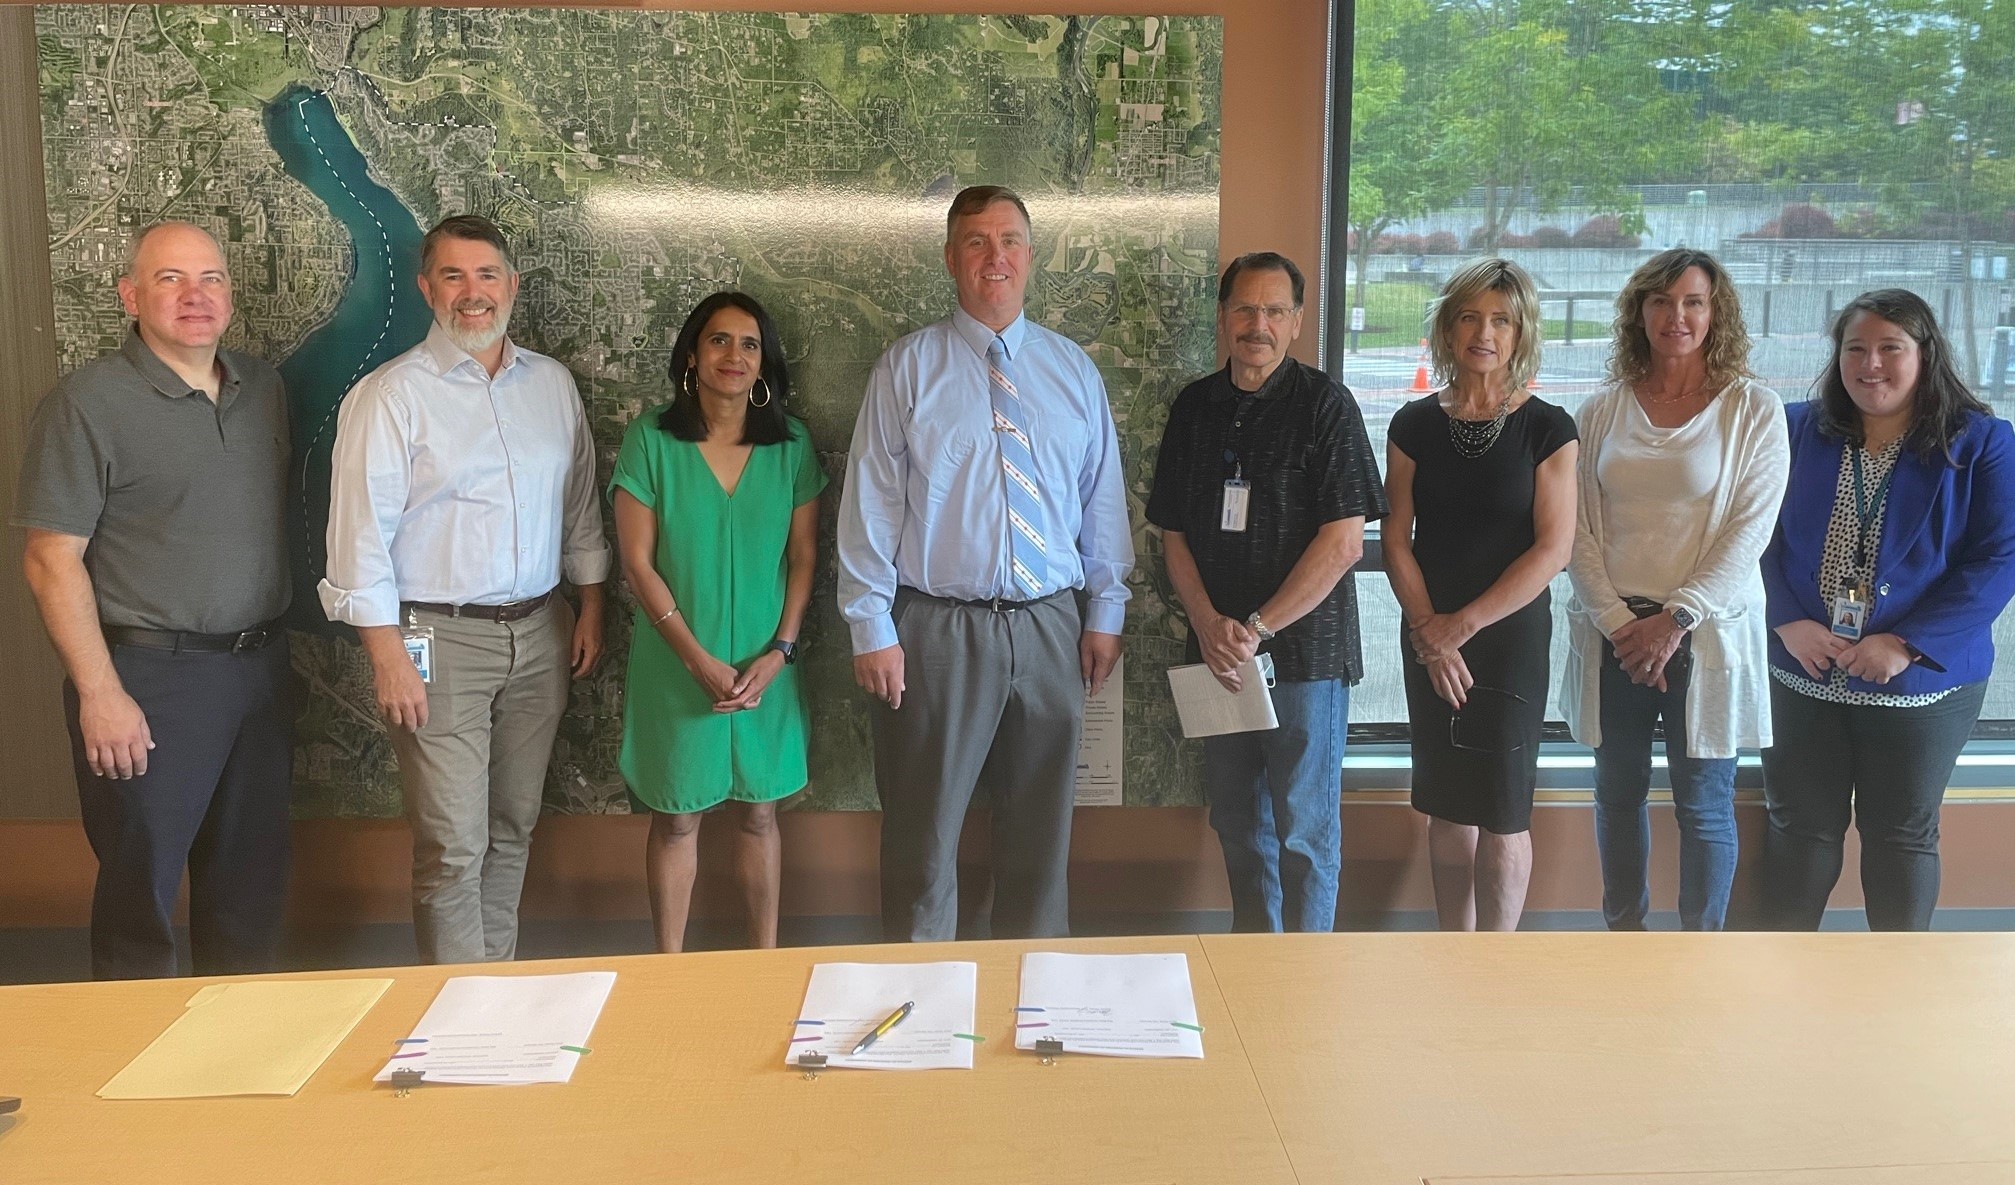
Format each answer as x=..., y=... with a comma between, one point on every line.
x=1259, y=627
x=1683, y=617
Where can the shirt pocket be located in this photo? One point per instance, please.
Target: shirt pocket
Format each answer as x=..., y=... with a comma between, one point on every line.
x=1062, y=444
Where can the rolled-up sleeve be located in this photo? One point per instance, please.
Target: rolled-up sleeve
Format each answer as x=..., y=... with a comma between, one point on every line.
x=584, y=548
x=370, y=474
x=1105, y=535
x=872, y=509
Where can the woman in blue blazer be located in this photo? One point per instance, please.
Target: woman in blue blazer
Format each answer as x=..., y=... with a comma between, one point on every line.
x=1894, y=554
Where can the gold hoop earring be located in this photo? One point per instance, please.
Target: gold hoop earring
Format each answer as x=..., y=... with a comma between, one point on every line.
x=764, y=384
x=690, y=383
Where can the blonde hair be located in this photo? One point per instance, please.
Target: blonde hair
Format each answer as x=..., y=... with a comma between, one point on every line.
x=1726, y=350
x=1488, y=275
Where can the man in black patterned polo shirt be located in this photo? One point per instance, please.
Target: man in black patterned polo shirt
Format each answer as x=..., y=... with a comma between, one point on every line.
x=1262, y=489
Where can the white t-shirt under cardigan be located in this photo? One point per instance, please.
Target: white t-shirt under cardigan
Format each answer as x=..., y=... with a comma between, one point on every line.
x=1727, y=697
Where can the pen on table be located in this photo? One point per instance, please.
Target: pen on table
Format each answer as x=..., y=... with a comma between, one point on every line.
x=882, y=1030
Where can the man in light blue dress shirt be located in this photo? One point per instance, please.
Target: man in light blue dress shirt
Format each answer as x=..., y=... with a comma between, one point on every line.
x=983, y=553
x=462, y=490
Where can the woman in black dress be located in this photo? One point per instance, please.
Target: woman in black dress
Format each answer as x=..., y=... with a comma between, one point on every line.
x=1481, y=479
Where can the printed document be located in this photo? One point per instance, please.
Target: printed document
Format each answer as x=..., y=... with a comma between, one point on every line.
x=1120, y=1005
x=505, y=1030
x=846, y=1000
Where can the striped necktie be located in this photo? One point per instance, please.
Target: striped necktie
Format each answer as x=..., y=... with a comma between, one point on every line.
x=1026, y=550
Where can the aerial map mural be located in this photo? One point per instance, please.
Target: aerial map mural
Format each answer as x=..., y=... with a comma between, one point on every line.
x=638, y=161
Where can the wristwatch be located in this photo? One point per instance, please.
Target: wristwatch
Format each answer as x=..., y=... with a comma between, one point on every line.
x=788, y=649
x=1683, y=617
x=1259, y=627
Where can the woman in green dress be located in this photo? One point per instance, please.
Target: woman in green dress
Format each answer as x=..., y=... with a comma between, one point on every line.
x=717, y=515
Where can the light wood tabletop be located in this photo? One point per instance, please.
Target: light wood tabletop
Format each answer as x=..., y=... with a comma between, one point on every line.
x=1551, y=1058
x=1539, y=1059
x=686, y=1082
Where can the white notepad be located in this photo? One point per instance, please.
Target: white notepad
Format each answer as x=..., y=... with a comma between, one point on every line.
x=1206, y=709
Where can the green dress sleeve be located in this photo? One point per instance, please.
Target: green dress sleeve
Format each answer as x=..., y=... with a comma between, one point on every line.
x=636, y=470
x=810, y=478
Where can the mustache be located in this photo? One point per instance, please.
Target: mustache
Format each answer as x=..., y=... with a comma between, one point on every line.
x=1258, y=339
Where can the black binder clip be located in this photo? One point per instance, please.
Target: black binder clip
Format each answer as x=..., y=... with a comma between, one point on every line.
x=403, y=1082
x=811, y=1064
x=1048, y=1049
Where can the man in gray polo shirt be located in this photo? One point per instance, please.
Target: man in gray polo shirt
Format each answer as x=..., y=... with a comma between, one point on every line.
x=153, y=492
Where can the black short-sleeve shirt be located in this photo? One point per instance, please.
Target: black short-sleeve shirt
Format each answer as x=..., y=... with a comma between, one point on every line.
x=183, y=499
x=1300, y=441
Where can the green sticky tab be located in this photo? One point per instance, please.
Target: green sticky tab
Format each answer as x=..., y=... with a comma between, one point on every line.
x=1192, y=1028
x=975, y=1037
x=577, y=1049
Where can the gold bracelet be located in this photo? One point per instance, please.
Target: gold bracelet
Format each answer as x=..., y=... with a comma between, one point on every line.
x=656, y=621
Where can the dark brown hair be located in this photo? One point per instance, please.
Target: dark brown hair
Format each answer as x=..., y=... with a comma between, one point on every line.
x=472, y=228
x=1941, y=402
x=1261, y=261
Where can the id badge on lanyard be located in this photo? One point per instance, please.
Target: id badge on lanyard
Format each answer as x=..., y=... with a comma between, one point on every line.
x=1237, y=499
x=1853, y=599
x=419, y=641
x=1850, y=610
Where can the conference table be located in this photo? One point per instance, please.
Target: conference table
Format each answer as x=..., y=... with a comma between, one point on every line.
x=1540, y=1059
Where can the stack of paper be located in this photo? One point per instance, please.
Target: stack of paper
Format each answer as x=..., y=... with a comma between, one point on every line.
x=846, y=1000
x=264, y=1037
x=498, y=1030
x=1122, y=1005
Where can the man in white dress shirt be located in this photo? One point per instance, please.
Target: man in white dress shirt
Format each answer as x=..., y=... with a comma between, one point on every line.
x=462, y=490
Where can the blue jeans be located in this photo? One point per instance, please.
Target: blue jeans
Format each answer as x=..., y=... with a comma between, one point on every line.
x=1275, y=803
x=1703, y=801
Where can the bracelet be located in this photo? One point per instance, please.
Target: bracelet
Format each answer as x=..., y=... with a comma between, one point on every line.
x=661, y=617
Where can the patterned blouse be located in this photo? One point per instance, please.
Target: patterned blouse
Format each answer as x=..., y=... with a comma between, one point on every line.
x=1836, y=567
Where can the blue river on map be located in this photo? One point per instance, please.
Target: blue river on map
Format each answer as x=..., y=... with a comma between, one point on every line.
x=379, y=315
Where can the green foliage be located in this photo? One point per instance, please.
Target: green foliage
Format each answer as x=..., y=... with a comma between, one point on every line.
x=1534, y=100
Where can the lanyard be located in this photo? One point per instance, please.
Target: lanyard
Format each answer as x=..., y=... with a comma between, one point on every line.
x=1866, y=508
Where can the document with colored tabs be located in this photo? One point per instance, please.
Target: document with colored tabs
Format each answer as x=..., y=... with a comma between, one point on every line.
x=505, y=1030
x=846, y=1001
x=1206, y=709
x=267, y=1037
x=1118, y=1005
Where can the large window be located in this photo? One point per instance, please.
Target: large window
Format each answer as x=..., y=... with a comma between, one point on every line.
x=1818, y=149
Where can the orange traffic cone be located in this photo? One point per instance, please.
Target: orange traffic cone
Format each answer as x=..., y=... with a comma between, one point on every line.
x=1420, y=386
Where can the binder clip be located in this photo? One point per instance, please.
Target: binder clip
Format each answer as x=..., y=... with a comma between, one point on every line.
x=403, y=1082
x=811, y=1064
x=1048, y=1049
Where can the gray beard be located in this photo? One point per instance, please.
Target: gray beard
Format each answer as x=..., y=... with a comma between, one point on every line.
x=476, y=341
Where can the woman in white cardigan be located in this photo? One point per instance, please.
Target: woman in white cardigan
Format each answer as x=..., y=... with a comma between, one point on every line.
x=1683, y=463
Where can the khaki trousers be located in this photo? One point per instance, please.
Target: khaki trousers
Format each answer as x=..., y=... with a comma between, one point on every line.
x=475, y=775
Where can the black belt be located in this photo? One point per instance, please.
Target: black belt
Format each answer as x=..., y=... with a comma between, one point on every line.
x=180, y=641
x=991, y=604
x=514, y=611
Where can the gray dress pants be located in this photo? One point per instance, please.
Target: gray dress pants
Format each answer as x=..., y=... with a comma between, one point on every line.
x=994, y=700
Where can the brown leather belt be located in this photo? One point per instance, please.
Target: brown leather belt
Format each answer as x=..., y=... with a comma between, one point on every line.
x=514, y=611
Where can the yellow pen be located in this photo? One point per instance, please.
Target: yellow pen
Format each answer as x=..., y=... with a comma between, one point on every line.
x=882, y=1030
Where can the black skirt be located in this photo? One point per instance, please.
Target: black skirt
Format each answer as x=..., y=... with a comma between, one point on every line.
x=1477, y=767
